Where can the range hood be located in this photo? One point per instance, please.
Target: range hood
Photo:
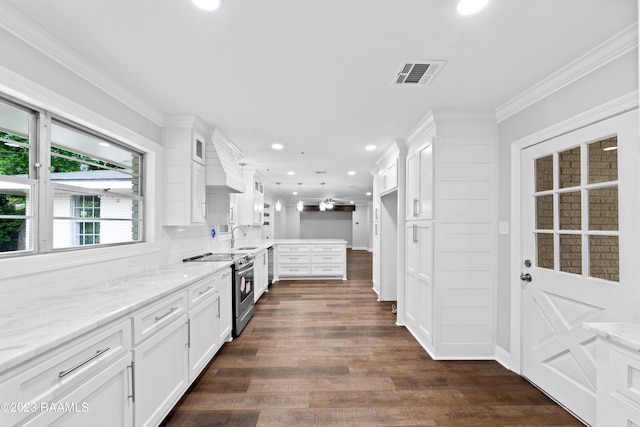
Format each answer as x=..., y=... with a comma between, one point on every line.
x=223, y=173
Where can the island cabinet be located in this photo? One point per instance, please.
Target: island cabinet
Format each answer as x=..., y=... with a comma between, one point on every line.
x=88, y=379
x=310, y=259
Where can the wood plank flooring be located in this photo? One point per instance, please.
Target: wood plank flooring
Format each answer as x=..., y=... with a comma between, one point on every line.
x=327, y=353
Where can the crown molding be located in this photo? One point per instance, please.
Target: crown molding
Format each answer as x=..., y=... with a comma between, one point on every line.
x=620, y=44
x=20, y=26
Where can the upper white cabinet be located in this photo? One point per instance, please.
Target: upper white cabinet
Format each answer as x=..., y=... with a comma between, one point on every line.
x=388, y=176
x=420, y=170
x=184, y=139
x=250, y=204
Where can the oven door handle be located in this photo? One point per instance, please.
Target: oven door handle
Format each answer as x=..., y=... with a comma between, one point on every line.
x=245, y=268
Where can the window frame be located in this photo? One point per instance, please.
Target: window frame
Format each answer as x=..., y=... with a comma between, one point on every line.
x=43, y=188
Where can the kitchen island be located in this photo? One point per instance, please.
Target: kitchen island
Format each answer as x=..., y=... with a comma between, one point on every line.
x=310, y=259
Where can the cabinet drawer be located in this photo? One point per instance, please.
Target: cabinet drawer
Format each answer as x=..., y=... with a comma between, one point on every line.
x=293, y=270
x=327, y=248
x=202, y=290
x=625, y=375
x=327, y=270
x=53, y=374
x=326, y=258
x=152, y=319
x=293, y=258
x=293, y=248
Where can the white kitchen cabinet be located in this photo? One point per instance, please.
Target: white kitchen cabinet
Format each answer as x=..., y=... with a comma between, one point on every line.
x=451, y=203
x=420, y=170
x=184, y=140
x=92, y=368
x=225, y=313
x=419, y=308
x=260, y=274
x=314, y=259
x=105, y=399
x=161, y=372
x=204, y=311
x=250, y=204
x=388, y=177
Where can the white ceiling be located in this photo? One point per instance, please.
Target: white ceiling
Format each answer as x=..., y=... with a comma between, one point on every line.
x=316, y=75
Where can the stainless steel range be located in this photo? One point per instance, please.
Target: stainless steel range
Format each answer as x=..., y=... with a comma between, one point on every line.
x=242, y=267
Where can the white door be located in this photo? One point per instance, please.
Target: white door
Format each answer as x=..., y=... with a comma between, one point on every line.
x=579, y=201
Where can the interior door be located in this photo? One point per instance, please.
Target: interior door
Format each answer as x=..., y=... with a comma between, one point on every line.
x=579, y=226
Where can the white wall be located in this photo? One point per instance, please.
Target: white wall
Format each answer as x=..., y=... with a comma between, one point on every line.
x=287, y=223
x=361, y=226
x=326, y=225
x=609, y=82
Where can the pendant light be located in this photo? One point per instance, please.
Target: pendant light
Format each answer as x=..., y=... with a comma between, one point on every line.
x=278, y=202
x=299, y=205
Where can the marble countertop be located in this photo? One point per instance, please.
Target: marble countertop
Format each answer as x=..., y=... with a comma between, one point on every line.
x=69, y=314
x=309, y=241
x=626, y=334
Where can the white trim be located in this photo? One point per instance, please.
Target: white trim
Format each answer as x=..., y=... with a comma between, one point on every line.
x=601, y=112
x=359, y=248
x=503, y=357
x=19, y=25
x=620, y=44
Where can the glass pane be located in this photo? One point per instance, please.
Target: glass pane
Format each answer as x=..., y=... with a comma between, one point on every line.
x=84, y=160
x=570, y=168
x=545, y=251
x=15, y=234
x=14, y=141
x=16, y=229
x=604, y=257
x=69, y=233
x=603, y=160
x=603, y=209
x=544, y=212
x=571, y=253
x=544, y=173
x=570, y=211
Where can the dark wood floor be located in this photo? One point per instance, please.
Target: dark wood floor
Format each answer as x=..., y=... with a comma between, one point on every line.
x=328, y=354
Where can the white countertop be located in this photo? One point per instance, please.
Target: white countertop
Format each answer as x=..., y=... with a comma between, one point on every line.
x=310, y=241
x=626, y=334
x=41, y=324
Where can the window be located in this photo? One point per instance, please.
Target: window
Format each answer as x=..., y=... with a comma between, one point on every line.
x=51, y=182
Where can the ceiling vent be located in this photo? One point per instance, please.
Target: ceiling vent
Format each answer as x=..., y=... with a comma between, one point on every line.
x=417, y=72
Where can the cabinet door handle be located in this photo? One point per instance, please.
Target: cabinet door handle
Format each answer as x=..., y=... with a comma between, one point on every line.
x=205, y=291
x=188, y=333
x=132, y=396
x=63, y=374
x=415, y=233
x=171, y=310
x=218, y=306
x=415, y=206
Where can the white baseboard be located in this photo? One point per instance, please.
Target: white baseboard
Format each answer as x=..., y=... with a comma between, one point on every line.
x=503, y=357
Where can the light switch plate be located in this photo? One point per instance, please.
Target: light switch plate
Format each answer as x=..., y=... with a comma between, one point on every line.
x=503, y=227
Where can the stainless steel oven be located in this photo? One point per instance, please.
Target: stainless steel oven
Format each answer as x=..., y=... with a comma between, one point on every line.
x=243, y=303
x=242, y=293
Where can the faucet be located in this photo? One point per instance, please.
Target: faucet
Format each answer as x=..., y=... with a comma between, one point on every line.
x=233, y=239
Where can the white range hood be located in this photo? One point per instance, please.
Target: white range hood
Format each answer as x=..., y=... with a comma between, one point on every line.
x=223, y=172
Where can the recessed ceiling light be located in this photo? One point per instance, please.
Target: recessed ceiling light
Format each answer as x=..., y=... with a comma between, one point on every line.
x=370, y=147
x=295, y=193
x=351, y=172
x=277, y=146
x=368, y=193
x=469, y=7
x=208, y=5
x=291, y=173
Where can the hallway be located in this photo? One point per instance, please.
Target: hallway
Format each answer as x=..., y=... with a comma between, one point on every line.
x=322, y=353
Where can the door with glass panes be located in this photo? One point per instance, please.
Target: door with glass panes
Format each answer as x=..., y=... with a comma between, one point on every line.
x=579, y=209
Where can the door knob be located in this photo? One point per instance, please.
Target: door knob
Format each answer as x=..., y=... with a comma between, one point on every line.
x=525, y=277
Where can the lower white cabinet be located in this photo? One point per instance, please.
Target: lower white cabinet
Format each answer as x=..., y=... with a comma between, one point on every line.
x=161, y=372
x=225, y=303
x=315, y=260
x=260, y=274
x=419, y=309
x=203, y=334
